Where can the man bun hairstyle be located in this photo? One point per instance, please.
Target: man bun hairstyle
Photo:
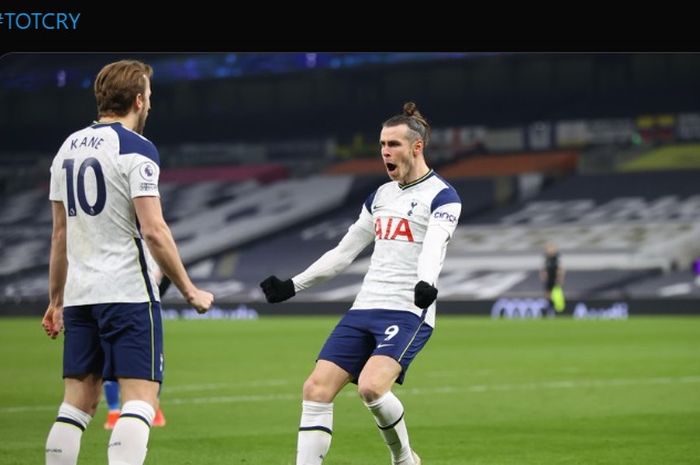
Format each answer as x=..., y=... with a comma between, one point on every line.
x=418, y=127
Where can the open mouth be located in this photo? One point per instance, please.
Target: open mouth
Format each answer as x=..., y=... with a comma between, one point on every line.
x=390, y=167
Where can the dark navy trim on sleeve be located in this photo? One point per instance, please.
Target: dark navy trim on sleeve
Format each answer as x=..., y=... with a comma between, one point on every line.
x=368, y=202
x=445, y=196
x=130, y=142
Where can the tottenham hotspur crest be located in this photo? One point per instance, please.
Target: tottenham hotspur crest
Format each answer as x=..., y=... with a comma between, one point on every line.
x=413, y=205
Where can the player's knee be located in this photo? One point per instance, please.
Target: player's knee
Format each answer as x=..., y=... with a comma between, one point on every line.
x=369, y=391
x=93, y=407
x=86, y=405
x=85, y=402
x=316, y=391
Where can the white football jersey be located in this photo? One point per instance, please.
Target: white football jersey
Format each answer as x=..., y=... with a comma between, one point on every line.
x=95, y=174
x=400, y=217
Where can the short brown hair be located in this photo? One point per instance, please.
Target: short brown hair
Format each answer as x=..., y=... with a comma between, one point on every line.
x=118, y=84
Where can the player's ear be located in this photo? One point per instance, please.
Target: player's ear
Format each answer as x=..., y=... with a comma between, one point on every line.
x=418, y=146
x=139, y=102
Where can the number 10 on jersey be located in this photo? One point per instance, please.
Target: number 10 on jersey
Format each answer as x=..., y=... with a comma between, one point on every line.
x=98, y=206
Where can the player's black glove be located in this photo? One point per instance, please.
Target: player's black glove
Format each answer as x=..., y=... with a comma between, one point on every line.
x=425, y=294
x=163, y=286
x=277, y=290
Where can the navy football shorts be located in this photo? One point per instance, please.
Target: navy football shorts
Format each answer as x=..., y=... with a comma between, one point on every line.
x=114, y=341
x=361, y=334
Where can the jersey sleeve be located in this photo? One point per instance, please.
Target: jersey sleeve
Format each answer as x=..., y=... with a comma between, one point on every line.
x=143, y=177
x=444, y=216
x=445, y=210
x=432, y=255
x=359, y=235
x=365, y=221
x=55, y=183
x=139, y=162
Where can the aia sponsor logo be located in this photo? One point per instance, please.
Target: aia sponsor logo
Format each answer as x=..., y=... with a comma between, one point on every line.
x=391, y=228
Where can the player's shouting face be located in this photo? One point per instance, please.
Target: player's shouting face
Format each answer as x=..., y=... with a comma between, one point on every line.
x=399, y=152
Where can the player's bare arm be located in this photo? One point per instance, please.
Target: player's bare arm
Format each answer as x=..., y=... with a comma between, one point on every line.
x=58, y=268
x=160, y=242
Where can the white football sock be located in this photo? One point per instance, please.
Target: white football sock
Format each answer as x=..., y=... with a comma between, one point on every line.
x=315, y=432
x=63, y=442
x=388, y=413
x=129, y=440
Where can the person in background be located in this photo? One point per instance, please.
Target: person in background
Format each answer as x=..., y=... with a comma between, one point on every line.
x=111, y=387
x=111, y=390
x=551, y=275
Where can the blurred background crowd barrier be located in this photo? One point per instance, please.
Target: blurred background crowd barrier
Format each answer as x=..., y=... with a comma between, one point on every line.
x=268, y=157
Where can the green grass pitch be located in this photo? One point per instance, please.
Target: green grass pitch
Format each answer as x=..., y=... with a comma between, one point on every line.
x=482, y=392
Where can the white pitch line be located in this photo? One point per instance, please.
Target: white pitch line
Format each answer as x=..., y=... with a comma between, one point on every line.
x=564, y=384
